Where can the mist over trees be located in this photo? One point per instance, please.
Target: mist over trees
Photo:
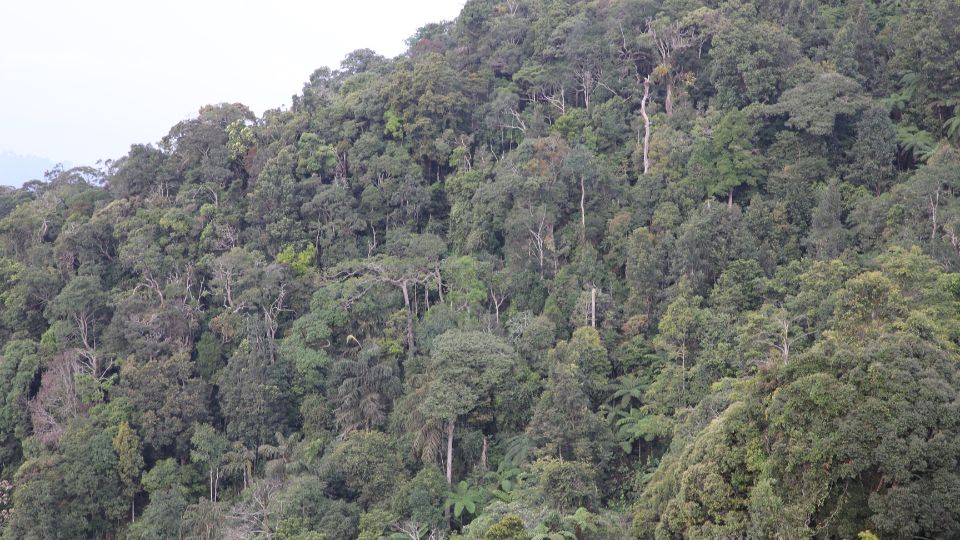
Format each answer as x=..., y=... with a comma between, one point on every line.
x=564, y=269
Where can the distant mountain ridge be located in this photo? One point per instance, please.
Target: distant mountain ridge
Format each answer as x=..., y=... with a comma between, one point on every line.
x=15, y=169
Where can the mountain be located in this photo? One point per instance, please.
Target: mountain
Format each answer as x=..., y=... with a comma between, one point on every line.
x=564, y=269
x=15, y=169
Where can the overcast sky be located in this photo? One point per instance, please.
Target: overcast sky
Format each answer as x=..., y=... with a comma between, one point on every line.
x=83, y=80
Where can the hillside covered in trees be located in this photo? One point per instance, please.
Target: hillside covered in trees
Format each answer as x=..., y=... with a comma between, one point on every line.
x=563, y=270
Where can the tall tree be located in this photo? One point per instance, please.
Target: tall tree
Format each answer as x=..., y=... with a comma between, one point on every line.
x=129, y=463
x=209, y=450
x=464, y=368
x=679, y=330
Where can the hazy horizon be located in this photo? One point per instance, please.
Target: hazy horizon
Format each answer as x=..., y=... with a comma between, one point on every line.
x=15, y=169
x=100, y=76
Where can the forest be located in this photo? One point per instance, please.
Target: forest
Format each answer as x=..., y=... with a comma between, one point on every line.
x=563, y=270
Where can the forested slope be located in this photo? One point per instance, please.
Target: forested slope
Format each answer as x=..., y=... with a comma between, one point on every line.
x=565, y=269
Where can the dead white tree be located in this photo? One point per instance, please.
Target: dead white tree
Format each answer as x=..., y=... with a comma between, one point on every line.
x=646, y=124
x=670, y=40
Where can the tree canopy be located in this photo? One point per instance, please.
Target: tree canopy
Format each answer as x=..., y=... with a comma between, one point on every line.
x=562, y=269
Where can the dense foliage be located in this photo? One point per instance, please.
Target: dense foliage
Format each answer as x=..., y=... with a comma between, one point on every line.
x=565, y=269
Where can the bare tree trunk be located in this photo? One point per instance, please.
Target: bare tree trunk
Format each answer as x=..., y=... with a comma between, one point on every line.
x=593, y=307
x=406, y=302
x=730, y=199
x=450, y=427
x=934, y=203
x=583, y=212
x=483, y=454
x=683, y=373
x=668, y=103
x=586, y=95
x=646, y=124
x=785, y=340
x=372, y=245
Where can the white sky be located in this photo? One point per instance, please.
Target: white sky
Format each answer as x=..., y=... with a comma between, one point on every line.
x=82, y=80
